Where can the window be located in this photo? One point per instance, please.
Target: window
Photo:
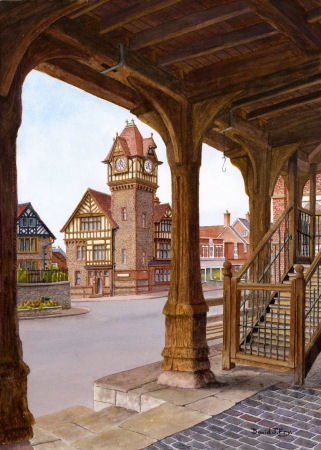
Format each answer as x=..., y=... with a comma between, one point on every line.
x=144, y=258
x=28, y=265
x=219, y=251
x=204, y=251
x=123, y=214
x=123, y=256
x=236, y=255
x=90, y=223
x=99, y=252
x=77, y=278
x=28, y=222
x=28, y=245
x=81, y=252
x=162, y=275
x=164, y=250
x=144, y=220
x=166, y=225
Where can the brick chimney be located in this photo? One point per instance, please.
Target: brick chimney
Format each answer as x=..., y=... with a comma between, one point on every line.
x=227, y=218
x=247, y=216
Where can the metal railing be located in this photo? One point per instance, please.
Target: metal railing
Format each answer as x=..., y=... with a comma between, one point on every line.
x=41, y=276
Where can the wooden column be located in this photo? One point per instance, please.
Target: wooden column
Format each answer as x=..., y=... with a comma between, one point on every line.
x=186, y=362
x=15, y=419
x=182, y=126
x=293, y=200
x=313, y=189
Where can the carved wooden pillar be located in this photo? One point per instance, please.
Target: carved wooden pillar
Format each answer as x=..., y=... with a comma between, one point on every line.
x=182, y=126
x=15, y=419
x=186, y=362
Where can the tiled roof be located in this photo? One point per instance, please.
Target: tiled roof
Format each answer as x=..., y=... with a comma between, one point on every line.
x=160, y=210
x=104, y=202
x=21, y=208
x=211, y=231
x=132, y=142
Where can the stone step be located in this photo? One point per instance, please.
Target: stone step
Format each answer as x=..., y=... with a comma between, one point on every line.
x=65, y=428
x=128, y=389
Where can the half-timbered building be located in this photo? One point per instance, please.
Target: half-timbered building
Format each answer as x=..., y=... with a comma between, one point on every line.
x=34, y=240
x=120, y=242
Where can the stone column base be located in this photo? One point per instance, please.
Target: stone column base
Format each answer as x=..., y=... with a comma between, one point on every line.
x=187, y=380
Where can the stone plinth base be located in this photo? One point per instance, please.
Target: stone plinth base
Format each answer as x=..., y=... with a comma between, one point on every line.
x=188, y=380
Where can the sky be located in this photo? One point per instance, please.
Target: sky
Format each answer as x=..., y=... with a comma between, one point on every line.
x=65, y=135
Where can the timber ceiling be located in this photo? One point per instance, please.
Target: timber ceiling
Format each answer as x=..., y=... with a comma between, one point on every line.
x=266, y=52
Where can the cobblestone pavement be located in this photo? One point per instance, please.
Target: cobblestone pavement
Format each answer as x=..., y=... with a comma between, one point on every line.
x=276, y=418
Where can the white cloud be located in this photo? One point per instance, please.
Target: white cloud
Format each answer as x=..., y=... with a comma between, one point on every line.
x=64, y=136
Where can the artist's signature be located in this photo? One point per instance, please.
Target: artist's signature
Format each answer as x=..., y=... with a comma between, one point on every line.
x=276, y=431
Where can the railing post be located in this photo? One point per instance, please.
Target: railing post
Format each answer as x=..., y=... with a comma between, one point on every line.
x=228, y=317
x=297, y=333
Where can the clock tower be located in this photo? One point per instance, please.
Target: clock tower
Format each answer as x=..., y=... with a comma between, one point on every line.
x=132, y=176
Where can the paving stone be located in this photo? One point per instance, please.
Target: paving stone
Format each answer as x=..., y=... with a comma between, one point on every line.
x=105, y=419
x=67, y=415
x=119, y=439
x=70, y=432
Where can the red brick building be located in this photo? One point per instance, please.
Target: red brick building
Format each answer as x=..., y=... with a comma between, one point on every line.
x=280, y=199
x=120, y=243
x=224, y=242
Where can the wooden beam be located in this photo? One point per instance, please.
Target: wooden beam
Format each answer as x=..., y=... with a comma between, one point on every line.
x=16, y=38
x=244, y=129
x=193, y=22
x=288, y=17
x=285, y=105
x=88, y=8
x=314, y=15
x=280, y=83
x=238, y=73
x=218, y=43
x=134, y=12
x=100, y=47
x=84, y=78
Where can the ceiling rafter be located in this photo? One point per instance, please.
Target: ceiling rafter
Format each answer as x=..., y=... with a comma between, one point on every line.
x=102, y=48
x=88, y=8
x=282, y=87
x=285, y=105
x=217, y=43
x=187, y=24
x=289, y=18
x=314, y=15
x=134, y=12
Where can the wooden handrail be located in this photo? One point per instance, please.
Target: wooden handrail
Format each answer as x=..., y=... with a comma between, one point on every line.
x=263, y=242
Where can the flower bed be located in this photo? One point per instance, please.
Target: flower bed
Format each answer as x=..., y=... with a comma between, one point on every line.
x=37, y=308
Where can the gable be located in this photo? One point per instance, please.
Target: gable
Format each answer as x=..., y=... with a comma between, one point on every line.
x=93, y=203
x=30, y=224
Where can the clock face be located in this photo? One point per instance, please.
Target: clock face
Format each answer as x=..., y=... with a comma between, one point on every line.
x=148, y=165
x=120, y=163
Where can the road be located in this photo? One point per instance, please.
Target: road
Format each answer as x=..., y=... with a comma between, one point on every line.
x=66, y=355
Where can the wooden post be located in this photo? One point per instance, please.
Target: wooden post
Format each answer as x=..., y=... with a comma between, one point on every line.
x=298, y=325
x=228, y=319
x=312, y=195
x=293, y=200
x=15, y=419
